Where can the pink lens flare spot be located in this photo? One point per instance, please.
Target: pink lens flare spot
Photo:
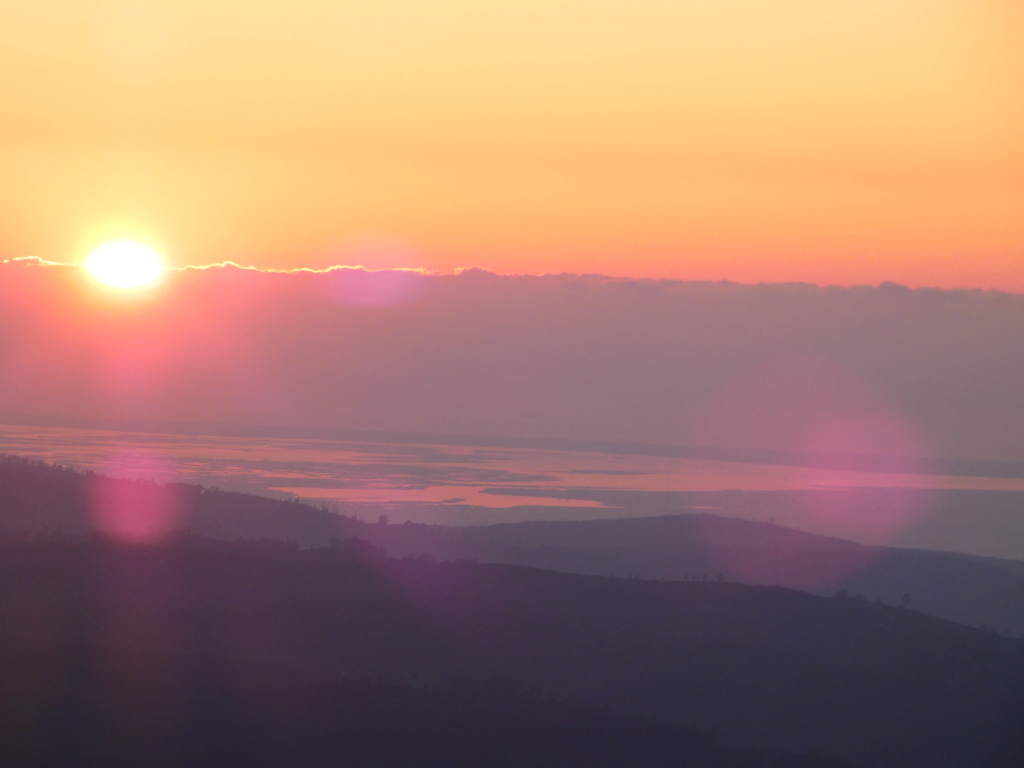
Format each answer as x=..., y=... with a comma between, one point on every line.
x=366, y=288
x=865, y=440
x=132, y=501
x=851, y=460
x=882, y=446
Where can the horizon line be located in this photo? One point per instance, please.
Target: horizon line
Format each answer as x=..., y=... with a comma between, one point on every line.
x=882, y=464
x=39, y=261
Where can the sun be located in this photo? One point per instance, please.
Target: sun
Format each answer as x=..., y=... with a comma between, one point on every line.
x=125, y=264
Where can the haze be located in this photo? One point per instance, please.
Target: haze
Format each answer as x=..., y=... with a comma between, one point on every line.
x=868, y=371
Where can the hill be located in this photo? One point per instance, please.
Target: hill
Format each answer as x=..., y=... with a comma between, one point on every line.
x=177, y=710
x=767, y=669
x=982, y=592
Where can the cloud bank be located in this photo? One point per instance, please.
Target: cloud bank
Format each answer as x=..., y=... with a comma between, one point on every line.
x=865, y=370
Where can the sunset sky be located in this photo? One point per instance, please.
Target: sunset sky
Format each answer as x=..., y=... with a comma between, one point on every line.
x=838, y=141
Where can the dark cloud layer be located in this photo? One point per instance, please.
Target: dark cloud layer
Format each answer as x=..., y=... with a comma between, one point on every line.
x=862, y=370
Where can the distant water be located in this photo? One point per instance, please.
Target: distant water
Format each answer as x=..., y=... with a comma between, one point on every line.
x=431, y=483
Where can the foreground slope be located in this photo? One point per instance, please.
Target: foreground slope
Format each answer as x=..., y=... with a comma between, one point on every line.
x=970, y=590
x=181, y=710
x=765, y=668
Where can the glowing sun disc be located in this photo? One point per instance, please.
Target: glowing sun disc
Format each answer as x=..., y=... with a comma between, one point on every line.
x=125, y=264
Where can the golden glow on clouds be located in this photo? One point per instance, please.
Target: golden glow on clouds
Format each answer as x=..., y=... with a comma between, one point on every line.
x=849, y=140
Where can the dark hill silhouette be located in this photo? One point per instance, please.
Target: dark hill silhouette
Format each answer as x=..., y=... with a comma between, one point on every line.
x=194, y=711
x=972, y=590
x=768, y=669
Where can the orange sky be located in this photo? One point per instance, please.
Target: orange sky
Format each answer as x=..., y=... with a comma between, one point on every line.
x=835, y=142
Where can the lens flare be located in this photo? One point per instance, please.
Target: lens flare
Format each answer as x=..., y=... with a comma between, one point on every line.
x=133, y=502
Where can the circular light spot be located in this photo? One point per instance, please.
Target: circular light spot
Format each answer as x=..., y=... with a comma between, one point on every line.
x=125, y=264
